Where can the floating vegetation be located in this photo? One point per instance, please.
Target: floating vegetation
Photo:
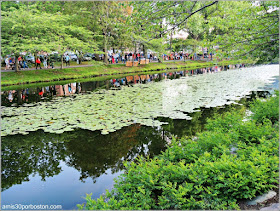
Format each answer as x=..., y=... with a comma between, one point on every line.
x=110, y=110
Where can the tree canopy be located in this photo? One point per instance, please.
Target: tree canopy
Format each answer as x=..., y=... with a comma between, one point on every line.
x=237, y=29
x=248, y=30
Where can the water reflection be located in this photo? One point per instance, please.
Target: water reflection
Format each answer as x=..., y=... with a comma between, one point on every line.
x=85, y=153
x=91, y=153
x=47, y=93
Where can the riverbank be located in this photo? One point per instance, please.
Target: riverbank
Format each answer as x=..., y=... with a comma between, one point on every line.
x=100, y=70
x=234, y=160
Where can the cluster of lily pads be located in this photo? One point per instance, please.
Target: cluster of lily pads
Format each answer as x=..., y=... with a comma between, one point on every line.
x=110, y=110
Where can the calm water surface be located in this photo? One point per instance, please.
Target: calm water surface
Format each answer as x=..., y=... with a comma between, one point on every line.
x=59, y=169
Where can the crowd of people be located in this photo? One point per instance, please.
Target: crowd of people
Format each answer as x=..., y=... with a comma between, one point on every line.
x=113, y=58
x=23, y=63
x=46, y=60
x=10, y=62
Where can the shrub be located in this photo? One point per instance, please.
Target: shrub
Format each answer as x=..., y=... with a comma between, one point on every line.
x=266, y=109
x=225, y=122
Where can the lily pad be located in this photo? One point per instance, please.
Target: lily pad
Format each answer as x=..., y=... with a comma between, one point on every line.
x=110, y=110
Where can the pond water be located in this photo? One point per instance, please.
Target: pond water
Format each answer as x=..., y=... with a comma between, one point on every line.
x=62, y=141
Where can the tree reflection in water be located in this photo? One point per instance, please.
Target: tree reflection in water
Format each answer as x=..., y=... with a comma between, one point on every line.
x=92, y=153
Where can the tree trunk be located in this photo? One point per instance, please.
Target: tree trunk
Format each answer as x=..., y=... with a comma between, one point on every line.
x=80, y=57
x=105, y=49
x=145, y=53
x=171, y=42
x=61, y=61
x=159, y=57
x=16, y=64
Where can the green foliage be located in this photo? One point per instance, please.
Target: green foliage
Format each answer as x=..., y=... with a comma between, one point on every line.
x=266, y=109
x=240, y=29
x=226, y=121
x=203, y=173
x=32, y=31
x=246, y=29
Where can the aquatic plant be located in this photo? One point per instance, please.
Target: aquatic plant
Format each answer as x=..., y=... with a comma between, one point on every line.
x=110, y=110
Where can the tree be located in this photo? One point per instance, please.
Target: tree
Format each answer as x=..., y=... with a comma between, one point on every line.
x=244, y=29
x=33, y=31
x=154, y=20
x=167, y=16
x=106, y=20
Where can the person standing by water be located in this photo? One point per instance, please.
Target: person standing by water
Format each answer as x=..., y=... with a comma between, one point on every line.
x=7, y=63
x=24, y=64
x=67, y=60
x=38, y=63
x=113, y=58
x=125, y=57
x=20, y=61
x=45, y=62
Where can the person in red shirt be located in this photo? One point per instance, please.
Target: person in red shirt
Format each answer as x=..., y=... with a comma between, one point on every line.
x=113, y=58
x=38, y=63
x=20, y=61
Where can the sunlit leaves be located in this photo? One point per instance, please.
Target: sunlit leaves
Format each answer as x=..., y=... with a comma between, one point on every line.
x=29, y=30
x=242, y=29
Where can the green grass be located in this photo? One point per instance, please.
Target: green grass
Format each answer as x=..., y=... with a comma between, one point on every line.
x=72, y=63
x=48, y=75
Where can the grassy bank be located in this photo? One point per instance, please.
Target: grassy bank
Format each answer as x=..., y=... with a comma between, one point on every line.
x=231, y=161
x=48, y=75
x=87, y=79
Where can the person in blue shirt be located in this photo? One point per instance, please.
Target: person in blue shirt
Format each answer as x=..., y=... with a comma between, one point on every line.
x=24, y=64
x=67, y=60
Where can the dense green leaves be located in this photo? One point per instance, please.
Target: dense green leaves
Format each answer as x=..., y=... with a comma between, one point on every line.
x=204, y=173
x=246, y=29
x=239, y=29
x=32, y=31
x=264, y=109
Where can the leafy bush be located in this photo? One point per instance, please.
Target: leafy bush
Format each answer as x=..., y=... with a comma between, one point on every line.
x=225, y=122
x=204, y=173
x=266, y=109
